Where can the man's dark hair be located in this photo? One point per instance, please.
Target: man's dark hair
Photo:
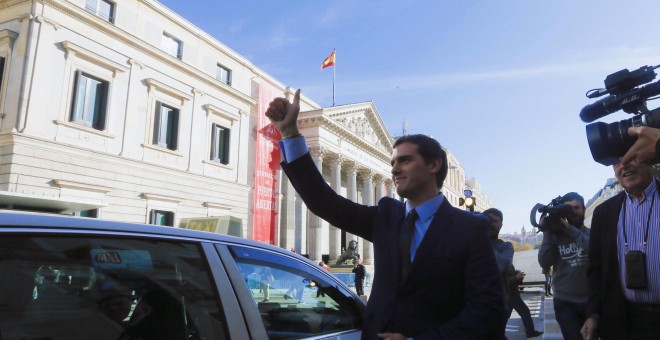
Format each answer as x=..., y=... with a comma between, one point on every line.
x=430, y=150
x=494, y=212
x=573, y=196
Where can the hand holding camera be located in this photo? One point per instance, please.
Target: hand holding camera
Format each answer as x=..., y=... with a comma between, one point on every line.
x=554, y=216
x=647, y=147
x=608, y=142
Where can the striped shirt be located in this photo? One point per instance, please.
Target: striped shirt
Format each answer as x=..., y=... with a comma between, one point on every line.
x=636, y=221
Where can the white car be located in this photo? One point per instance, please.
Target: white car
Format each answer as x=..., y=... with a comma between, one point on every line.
x=67, y=277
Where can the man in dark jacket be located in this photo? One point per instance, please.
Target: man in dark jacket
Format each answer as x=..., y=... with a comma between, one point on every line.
x=435, y=275
x=624, y=257
x=360, y=272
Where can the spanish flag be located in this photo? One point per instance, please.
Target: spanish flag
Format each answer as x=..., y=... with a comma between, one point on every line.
x=329, y=61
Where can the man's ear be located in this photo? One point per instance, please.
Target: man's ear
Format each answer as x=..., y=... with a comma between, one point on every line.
x=436, y=165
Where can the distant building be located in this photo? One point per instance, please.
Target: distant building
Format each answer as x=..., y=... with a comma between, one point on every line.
x=610, y=189
x=482, y=200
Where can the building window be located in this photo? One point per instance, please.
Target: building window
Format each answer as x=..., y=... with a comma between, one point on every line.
x=220, y=144
x=89, y=101
x=172, y=46
x=102, y=8
x=166, y=126
x=223, y=74
x=93, y=213
x=161, y=217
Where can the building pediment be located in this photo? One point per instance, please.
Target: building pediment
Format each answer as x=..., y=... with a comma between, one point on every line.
x=359, y=123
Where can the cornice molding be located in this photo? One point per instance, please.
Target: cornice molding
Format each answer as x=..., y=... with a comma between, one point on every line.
x=154, y=84
x=73, y=50
x=63, y=184
x=217, y=206
x=163, y=198
x=42, y=19
x=211, y=109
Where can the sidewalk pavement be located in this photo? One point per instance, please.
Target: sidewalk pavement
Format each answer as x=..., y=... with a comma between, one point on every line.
x=551, y=329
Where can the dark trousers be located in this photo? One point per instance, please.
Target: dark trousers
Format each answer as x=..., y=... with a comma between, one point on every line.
x=571, y=317
x=359, y=287
x=517, y=303
x=644, y=322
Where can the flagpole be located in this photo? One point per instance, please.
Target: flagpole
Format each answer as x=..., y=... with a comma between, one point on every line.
x=334, y=70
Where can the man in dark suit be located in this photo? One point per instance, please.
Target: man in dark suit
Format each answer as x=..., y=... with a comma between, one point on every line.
x=435, y=275
x=618, y=307
x=360, y=272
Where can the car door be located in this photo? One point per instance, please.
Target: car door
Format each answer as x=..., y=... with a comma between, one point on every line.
x=82, y=284
x=288, y=297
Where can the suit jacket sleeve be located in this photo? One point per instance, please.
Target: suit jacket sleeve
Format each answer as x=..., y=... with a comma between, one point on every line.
x=319, y=197
x=595, y=269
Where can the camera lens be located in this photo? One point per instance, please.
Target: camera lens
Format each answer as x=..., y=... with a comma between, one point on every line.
x=608, y=142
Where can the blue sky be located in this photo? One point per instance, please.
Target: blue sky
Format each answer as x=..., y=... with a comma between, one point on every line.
x=499, y=83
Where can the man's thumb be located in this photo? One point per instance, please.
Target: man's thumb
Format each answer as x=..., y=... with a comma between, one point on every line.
x=296, y=98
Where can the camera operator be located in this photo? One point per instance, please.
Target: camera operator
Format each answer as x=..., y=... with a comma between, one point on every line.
x=565, y=245
x=624, y=259
x=647, y=147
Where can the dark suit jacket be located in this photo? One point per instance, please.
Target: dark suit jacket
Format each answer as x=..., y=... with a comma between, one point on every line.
x=605, y=290
x=453, y=290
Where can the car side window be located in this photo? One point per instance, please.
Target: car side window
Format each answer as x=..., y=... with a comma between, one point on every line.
x=295, y=300
x=76, y=287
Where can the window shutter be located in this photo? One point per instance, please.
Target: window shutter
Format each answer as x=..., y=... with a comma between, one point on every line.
x=157, y=118
x=226, y=139
x=214, y=141
x=174, y=130
x=102, y=106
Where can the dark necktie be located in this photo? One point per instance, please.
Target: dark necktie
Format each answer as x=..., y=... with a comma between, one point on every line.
x=405, y=236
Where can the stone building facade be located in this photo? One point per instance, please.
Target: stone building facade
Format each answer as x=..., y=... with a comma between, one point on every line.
x=123, y=110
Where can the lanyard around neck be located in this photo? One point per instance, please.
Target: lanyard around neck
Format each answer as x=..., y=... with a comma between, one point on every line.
x=648, y=220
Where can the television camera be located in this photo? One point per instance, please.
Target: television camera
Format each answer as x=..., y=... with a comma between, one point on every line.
x=551, y=215
x=608, y=142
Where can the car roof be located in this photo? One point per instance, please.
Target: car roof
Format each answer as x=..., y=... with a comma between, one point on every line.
x=20, y=219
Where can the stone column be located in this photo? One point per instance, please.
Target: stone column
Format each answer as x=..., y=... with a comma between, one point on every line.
x=351, y=192
x=314, y=227
x=366, y=176
x=287, y=213
x=389, y=188
x=300, y=227
x=334, y=237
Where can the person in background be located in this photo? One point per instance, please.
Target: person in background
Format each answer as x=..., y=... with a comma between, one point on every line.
x=624, y=259
x=547, y=272
x=564, y=247
x=504, y=255
x=503, y=251
x=360, y=273
x=516, y=302
x=266, y=278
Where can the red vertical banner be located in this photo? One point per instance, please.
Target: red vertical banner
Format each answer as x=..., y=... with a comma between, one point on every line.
x=266, y=169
